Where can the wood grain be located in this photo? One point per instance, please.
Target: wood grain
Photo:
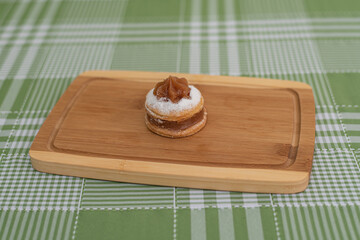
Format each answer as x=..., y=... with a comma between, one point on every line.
x=259, y=136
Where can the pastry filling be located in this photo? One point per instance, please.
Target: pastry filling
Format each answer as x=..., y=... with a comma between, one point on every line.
x=177, y=125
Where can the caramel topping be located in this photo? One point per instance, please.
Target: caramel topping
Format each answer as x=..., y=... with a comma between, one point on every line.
x=172, y=88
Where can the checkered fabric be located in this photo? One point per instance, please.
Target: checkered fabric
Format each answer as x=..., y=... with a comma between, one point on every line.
x=45, y=44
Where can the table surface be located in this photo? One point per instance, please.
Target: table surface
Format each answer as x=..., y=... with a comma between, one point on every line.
x=44, y=45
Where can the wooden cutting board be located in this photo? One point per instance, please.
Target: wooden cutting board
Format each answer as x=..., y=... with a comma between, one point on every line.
x=259, y=136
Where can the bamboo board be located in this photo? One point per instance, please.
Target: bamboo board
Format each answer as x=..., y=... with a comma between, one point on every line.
x=259, y=136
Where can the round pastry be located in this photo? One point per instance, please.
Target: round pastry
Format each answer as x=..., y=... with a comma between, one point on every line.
x=175, y=109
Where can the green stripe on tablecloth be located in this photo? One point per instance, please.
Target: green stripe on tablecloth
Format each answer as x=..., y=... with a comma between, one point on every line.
x=15, y=94
x=316, y=7
x=5, y=7
x=183, y=227
x=348, y=104
x=129, y=224
x=345, y=87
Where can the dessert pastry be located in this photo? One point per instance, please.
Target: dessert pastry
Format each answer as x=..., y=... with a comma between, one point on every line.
x=175, y=109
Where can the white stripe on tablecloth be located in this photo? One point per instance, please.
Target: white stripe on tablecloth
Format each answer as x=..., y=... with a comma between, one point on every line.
x=355, y=216
x=26, y=63
x=37, y=228
x=30, y=227
x=232, y=46
x=54, y=225
x=225, y=214
x=15, y=223
x=45, y=226
x=5, y=229
x=24, y=222
x=254, y=224
x=343, y=230
x=22, y=121
x=61, y=227
x=318, y=222
x=198, y=225
x=355, y=139
x=328, y=127
x=198, y=23
x=285, y=223
x=9, y=62
x=347, y=220
x=352, y=127
x=68, y=225
x=295, y=233
x=195, y=47
x=226, y=223
x=213, y=46
x=330, y=139
x=301, y=221
x=309, y=226
x=192, y=38
x=230, y=28
x=331, y=220
x=15, y=87
x=348, y=115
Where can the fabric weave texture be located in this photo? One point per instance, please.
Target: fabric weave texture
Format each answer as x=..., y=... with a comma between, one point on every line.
x=44, y=45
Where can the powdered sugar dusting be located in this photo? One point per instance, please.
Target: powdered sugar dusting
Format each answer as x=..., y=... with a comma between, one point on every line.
x=164, y=106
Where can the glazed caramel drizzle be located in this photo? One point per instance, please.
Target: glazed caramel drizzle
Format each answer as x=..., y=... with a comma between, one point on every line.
x=172, y=88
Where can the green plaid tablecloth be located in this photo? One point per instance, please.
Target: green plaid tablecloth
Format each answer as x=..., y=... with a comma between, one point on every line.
x=44, y=45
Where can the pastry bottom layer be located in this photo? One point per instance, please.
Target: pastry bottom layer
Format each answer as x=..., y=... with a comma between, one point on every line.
x=176, y=125
x=174, y=131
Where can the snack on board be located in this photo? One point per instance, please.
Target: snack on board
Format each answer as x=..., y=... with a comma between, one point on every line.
x=175, y=109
